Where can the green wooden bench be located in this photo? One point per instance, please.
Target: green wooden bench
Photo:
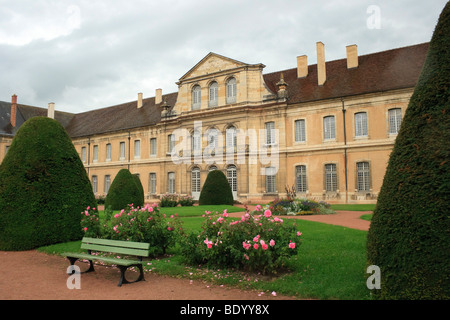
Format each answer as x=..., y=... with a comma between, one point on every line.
x=126, y=248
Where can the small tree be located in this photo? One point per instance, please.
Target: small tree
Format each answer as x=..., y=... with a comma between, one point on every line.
x=43, y=188
x=216, y=190
x=124, y=190
x=409, y=234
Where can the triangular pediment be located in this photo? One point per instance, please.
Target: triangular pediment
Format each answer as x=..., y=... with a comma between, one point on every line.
x=212, y=63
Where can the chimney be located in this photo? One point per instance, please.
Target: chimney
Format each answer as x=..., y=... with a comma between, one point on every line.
x=302, y=66
x=13, y=110
x=321, y=71
x=158, y=96
x=51, y=110
x=139, y=102
x=352, y=56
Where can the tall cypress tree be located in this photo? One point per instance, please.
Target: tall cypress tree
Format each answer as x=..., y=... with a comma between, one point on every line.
x=409, y=237
x=43, y=188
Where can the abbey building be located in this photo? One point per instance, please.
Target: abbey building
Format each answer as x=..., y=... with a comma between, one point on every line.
x=325, y=130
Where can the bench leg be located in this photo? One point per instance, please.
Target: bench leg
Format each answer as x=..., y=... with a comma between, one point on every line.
x=91, y=264
x=123, y=269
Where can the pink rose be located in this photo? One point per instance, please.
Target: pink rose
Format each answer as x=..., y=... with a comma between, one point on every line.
x=292, y=245
x=272, y=243
x=267, y=213
x=256, y=246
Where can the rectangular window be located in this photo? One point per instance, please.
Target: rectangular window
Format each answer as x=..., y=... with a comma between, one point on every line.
x=94, y=184
x=270, y=133
x=95, y=151
x=152, y=186
x=195, y=180
x=330, y=177
x=171, y=182
x=170, y=143
x=361, y=124
x=329, y=128
x=300, y=132
x=271, y=180
x=107, y=183
x=83, y=154
x=300, y=173
x=122, y=151
x=196, y=142
x=363, y=176
x=395, y=119
x=108, y=152
x=137, y=149
x=153, y=147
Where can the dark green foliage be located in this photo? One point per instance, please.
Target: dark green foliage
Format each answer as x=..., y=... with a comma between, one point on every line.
x=409, y=237
x=124, y=191
x=137, y=180
x=216, y=190
x=43, y=188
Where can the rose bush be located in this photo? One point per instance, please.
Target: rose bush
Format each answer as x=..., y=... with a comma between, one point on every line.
x=256, y=242
x=140, y=224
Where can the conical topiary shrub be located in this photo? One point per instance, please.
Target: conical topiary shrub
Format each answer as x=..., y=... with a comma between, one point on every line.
x=409, y=236
x=43, y=188
x=124, y=191
x=216, y=190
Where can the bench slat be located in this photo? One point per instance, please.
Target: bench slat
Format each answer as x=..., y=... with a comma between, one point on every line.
x=117, y=243
x=123, y=262
x=119, y=250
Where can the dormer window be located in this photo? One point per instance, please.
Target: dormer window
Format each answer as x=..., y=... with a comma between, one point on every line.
x=213, y=94
x=196, y=97
x=231, y=90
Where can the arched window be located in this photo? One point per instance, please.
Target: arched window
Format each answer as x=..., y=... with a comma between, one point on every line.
x=231, y=90
x=196, y=97
x=195, y=180
x=213, y=94
x=231, y=138
x=232, y=178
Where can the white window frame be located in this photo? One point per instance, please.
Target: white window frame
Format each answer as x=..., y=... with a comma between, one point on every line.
x=95, y=153
x=153, y=147
x=108, y=152
x=363, y=176
x=213, y=96
x=270, y=133
x=83, y=154
x=94, y=184
x=171, y=182
x=195, y=180
x=152, y=183
x=137, y=149
x=361, y=124
x=300, y=130
x=231, y=90
x=301, y=178
x=271, y=180
x=107, y=183
x=122, y=150
x=196, y=97
x=331, y=183
x=329, y=128
x=170, y=143
x=394, y=120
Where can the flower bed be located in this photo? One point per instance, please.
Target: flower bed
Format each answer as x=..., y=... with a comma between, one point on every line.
x=299, y=206
x=256, y=242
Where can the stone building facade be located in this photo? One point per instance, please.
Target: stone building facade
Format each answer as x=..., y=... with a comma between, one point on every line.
x=325, y=130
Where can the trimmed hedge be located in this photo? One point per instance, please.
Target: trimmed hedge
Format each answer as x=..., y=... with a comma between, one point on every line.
x=43, y=188
x=409, y=235
x=216, y=190
x=125, y=189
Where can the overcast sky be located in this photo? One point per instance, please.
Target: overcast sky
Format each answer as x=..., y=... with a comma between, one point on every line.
x=90, y=54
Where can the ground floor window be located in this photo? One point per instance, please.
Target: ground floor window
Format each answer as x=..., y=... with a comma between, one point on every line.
x=195, y=180
x=107, y=183
x=171, y=182
x=152, y=186
x=271, y=180
x=232, y=178
x=300, y=173
x=330, y=177
x=363, y=176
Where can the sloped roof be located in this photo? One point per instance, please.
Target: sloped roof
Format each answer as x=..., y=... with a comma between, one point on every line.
x=120, y=117
x=377, y=72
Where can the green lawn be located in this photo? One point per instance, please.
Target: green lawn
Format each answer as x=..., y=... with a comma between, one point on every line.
x=330, y=263
x=353, y=207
